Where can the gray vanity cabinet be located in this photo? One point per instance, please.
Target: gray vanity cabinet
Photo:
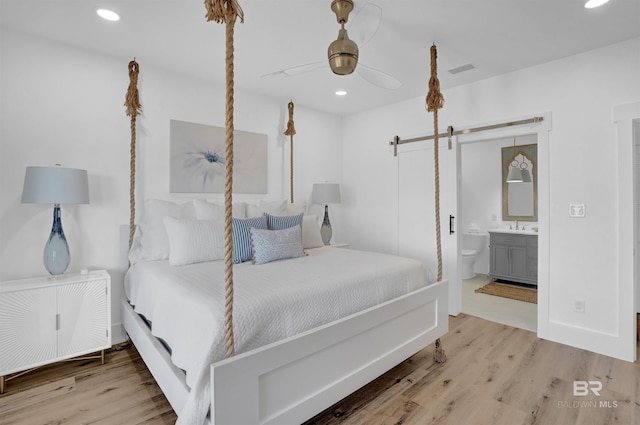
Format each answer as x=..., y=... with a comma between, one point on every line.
x=514, y=257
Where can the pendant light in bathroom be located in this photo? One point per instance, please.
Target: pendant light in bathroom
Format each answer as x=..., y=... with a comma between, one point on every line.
x=515, y=173
x=526, y=175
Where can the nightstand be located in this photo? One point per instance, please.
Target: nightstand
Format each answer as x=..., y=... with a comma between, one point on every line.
x=47, y=319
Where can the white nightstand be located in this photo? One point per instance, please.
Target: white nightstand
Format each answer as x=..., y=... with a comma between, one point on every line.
x=47, y=319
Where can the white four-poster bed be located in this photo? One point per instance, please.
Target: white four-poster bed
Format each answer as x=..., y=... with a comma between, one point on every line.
x=291, y=374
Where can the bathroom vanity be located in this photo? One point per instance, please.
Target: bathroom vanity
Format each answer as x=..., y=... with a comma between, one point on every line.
x=513, y=256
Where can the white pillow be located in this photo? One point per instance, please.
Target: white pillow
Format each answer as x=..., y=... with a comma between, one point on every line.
x=153, y=242
x=271, y=207
x=194, y=241
x=214, y=211
x=297, y=208
x=311, y=237
x=272, y=245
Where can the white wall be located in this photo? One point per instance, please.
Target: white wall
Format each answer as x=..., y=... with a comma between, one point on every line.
x=63, y=105
x=580, y=93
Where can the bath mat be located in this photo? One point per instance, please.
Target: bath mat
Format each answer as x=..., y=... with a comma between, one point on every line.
x=509, y=291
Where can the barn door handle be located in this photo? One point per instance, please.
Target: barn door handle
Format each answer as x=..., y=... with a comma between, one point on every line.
x=451, y=218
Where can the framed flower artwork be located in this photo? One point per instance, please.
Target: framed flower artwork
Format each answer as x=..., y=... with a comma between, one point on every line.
x=197, y=159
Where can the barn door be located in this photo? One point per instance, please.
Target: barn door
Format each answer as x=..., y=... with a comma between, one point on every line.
x=416, y=211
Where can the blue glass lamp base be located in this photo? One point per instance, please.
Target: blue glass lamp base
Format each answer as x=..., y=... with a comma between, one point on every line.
x=56, y=251
x=325, y=229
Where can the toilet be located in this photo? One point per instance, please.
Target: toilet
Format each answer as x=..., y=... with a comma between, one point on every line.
x=473, y=242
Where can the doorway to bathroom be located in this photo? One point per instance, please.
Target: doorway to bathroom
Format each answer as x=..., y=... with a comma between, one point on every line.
x=483, y=208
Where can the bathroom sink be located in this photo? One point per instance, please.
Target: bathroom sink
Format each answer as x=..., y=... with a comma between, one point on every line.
x=522, y=232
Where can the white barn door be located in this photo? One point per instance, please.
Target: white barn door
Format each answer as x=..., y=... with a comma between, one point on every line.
x=416, y=211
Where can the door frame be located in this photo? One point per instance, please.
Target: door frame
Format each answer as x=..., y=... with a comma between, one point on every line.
x=625, y=118
x=542, y=130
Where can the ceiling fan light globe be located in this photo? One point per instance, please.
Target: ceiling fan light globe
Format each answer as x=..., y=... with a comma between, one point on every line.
x=343, y=54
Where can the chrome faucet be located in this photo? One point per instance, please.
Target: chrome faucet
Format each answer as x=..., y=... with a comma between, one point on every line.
x=517, y=225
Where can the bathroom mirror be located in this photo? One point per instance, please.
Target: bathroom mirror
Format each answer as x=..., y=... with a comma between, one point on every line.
x=520, y=200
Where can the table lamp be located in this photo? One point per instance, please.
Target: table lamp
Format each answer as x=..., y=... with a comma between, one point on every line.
x=55, y=185
x=326, y=193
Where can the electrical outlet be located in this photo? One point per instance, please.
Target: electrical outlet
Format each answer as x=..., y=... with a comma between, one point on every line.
x=578, y=305
x=577, y=210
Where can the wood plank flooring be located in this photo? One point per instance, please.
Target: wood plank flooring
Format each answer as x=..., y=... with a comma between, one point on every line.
x=494, y=375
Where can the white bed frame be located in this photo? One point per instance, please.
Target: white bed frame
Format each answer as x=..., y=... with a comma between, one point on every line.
x=294, y=379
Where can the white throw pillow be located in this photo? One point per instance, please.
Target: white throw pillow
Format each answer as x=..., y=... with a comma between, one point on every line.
x=311, y=237
x=214, y=211
x=153, y=242
x=194, y=241
x=297, y=208
x=271, y=207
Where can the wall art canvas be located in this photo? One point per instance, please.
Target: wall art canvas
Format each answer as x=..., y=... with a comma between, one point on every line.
x=197, y=159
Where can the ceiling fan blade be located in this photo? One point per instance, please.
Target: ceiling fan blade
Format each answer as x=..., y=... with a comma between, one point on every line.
x=365, y=23
x=378, y=78
x=296, y=70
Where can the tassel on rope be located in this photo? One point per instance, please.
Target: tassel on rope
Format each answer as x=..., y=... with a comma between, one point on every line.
x=290, y=131
x=435, y=101
x=227, y=11
x=133, y=109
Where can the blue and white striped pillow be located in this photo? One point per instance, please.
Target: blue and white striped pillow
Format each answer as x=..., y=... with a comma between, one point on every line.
x=275, y=222
x=242, y=237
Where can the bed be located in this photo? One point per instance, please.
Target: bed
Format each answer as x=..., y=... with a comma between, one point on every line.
x=309, y=330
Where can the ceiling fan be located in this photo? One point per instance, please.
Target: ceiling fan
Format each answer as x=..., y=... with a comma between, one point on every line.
x=343, y=53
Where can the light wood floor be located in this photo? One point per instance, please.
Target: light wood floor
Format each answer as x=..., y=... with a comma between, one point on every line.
x=494, y=375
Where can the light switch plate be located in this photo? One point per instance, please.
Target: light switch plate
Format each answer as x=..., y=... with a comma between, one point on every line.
x=577, y=210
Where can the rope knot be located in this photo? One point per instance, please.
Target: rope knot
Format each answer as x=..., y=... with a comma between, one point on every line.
x=434, y=100
x=290, y=131
x=132, y=98
x=222, y=11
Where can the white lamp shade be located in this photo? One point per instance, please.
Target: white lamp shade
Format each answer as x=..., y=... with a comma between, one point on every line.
x=326, y=193
x=515, y=175
x=55, y=185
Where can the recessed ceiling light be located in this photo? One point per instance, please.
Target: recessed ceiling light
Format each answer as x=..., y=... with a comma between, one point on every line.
x=590, y=4
x=341, y=93
x=107, y=14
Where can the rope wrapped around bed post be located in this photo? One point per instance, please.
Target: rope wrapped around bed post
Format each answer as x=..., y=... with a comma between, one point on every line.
x=290, y=131
x=227, y=11
x=435, y=101
x=133, y=109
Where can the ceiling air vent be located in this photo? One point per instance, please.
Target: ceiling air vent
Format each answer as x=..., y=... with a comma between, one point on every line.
x=462, y=68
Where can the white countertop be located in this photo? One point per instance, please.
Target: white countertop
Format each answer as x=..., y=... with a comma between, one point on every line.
x=519, y=232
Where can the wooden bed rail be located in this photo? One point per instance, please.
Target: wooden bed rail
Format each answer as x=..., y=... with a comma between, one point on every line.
x=292, y=380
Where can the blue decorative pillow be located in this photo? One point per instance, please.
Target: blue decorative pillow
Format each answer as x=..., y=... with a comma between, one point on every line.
x=275, y=222
x=271, y=245
x=242, y=237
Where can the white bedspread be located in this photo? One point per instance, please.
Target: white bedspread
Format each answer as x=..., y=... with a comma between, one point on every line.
x=271, y=302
